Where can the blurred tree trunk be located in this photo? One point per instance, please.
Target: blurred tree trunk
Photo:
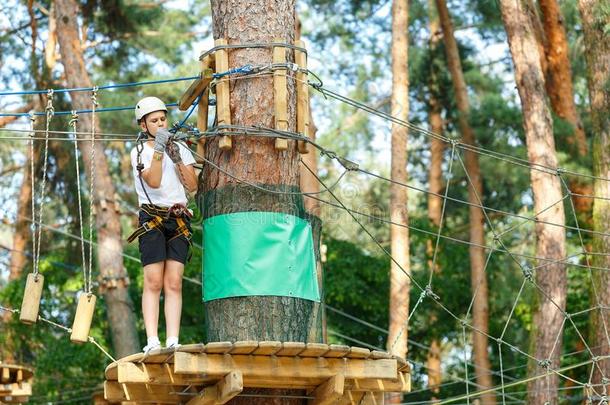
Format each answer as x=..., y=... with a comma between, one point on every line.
x=478, y=278
x=559, y=74
x=547, y=324
x=435, y=181
x=399, y=234
x=597, y=53
x=120, y=310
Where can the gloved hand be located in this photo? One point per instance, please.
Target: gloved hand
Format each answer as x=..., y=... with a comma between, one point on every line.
x=173, y=151
x=161, y=139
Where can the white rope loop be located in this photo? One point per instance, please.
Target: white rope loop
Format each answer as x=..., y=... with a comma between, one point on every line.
x=94, y=104
x=50, y=110
x=33, y=224
x=73, y=122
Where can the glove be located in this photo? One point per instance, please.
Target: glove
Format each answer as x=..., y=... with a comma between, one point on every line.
x=173, y=151
x=161, y=139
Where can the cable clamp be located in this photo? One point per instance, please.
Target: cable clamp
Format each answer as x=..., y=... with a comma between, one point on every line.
x=292, y=66
x=50, y=109
x=559, y=171
x=546, y=363
x=348, y=164
x=528, y=274
x=429, y=293
x=74, y=119
x=454, y=142
x=94, y=95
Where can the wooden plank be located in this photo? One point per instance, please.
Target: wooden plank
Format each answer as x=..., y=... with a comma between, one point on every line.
x=283, y=367
x=113, y=391
x=218, y=347
x=315, y=350
x=302, y=97
x=377, y=354
x=155, y=374
x=401, y=384
x=329, y=392
x=358, y=353
x=19, y=377
x=338, y=351
x=202, y=124
x=280, y=95
x=268, y=348
x=223, y=109
x=141, y=393
x=291, y=349
x=193, y=348
x=222, y=392
x=196, y=88
x=244, y=347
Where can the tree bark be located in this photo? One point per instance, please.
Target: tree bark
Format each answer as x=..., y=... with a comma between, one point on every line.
x=478, y=278
x=559, y=75
x=597, y=53
x=399, y=233
x=550, y=240
x=435, y=181
x=255, y=160
x=120, y=310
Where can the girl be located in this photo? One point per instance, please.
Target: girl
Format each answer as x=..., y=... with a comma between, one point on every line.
x=162, y=171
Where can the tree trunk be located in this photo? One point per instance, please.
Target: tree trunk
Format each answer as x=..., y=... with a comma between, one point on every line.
x=121, y=316
x=399, y=235
x=478, y=278
x=550, y=240
x=597, y=53
x=559, y=75
x=255, y=160
x=435, y=181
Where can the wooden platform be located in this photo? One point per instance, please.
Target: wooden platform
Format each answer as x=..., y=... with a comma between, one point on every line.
x=15, y=383
x=216, y=372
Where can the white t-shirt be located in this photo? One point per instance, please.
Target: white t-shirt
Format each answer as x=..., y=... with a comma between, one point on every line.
x=171, y=190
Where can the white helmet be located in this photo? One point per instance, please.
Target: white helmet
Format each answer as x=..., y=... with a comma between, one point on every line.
x=148, y=105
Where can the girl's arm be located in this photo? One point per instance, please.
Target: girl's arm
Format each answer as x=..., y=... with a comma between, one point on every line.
x=187, y=176
x=152, y=176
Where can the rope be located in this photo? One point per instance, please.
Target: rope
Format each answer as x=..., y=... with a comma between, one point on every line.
x=476, y=149
x=32, y=175
x=105, y=87
x=49, y=115
x=73, y=123
x=85, y=111
x=92, y=197
x=61, y=327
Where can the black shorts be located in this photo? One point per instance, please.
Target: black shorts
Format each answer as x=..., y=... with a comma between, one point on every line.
x=157, y=244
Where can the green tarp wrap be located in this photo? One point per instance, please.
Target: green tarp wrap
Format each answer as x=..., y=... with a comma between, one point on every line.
x=258, y=253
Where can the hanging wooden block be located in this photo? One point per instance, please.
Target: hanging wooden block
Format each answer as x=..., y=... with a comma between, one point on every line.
x=280, y=95
x=31, y=298
x=83, y=318
x=223, y=109
x=302, y=96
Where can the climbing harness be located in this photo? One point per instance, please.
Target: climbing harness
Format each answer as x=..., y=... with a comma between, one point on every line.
x=159, y=216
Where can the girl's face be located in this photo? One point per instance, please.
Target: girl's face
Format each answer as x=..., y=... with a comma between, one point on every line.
x=153, y=121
